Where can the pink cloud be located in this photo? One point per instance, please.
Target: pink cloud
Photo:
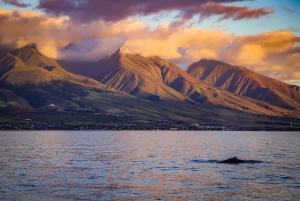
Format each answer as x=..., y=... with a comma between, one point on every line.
x=16, y=3
x=231, y=12
x=90, y=10
x=287, y=9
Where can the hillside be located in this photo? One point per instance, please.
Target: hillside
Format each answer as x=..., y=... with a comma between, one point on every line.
x=134, y=75
x=32, y=83
x=245, y=82
x=8, y=97
x=29, y=78
x=76, y=67
x=30, y=56
x=141, y=87
x=154, y=78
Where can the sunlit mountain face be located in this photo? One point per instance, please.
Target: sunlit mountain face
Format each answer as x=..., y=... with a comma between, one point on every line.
x=171, y=59
x=245, y=82
x=128, y=80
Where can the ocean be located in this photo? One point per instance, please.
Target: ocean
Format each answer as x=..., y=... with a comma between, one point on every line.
x=148, y=165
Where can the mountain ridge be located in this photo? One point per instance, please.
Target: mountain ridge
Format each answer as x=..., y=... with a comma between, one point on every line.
x=40, y=87
x=245, y=82
x=133, y=74
x=148, y=86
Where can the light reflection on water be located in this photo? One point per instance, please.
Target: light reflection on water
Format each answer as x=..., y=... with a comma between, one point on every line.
x=141, y=165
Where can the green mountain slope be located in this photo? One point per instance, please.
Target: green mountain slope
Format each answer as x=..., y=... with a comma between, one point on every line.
x=8, y=97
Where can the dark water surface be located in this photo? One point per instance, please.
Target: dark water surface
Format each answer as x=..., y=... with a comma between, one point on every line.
x=139, y=165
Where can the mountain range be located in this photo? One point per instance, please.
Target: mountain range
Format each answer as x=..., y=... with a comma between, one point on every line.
x=208, y=90
x=245, y=82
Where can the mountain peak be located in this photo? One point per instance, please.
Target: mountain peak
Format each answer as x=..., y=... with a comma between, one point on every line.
x=30, y=55
x=29, y=48
x=116, y=55
x=120, y=55
x=124, y=52
x=117, y=52
x=31, y=45
x=212, y=62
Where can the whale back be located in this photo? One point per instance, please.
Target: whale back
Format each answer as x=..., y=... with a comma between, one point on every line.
x=233, y=160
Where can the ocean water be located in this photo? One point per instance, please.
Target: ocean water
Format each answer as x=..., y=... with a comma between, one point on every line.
x=142, y=165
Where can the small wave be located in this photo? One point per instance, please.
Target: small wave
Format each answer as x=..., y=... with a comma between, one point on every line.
x=204, y=161
x=167, y=168
x=252, y=161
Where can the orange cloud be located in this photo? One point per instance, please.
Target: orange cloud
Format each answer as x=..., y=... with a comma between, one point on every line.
x=21, y=28
x=165, y=41
x=52, y=34
x=276, y=53
x=229, y=11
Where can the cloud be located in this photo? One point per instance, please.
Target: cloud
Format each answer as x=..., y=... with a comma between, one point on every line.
x=51, y=34
x=164, y=41
x=275, y=53
x=287, y=9
x=91, y=49
x=258, y=49
x=90, y=10
x=221, y=27
x=230, y=12
x=16, y=3
x=21, y=28
x=291, y=29
x=179, y=22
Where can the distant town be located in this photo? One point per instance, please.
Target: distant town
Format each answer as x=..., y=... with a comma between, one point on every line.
x=151, y=124
x=190, y=127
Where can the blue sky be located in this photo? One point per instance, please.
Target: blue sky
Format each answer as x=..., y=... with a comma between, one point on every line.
x=281, y=19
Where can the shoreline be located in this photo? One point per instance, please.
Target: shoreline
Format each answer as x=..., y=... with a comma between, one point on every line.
x=120, y=127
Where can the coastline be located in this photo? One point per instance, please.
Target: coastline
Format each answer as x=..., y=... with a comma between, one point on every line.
x=120, y=127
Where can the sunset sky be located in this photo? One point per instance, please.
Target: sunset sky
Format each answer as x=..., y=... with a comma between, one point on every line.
x=263, y=35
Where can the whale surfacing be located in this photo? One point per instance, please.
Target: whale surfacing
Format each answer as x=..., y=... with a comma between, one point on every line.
x=233, y=160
